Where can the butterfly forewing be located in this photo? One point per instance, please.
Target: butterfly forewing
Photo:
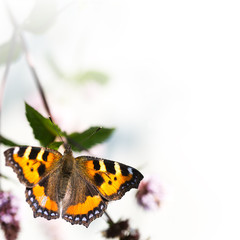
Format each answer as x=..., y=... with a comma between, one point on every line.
x=112, y=179
x=31, y=164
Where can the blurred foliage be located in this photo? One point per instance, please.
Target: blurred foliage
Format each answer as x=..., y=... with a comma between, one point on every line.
x=8, y=142
x=91, y=75
x=54, y=67
x=42, y=17
x=5, y=48
x=79, y=77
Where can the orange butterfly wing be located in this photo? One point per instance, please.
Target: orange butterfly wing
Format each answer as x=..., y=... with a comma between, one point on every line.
x=31, y=164
x=94, y=182
x=43, y=197
x=37, y=168
x=82, y=203
x=112, y=179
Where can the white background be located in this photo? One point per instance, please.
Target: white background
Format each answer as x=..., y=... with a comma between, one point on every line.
x=173, y=96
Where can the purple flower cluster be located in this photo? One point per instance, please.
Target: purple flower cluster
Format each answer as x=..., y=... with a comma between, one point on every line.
x=150, y=193
x=122, y=230
x=8, y=216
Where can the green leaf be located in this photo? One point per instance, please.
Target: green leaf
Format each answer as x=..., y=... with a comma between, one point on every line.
x=43, y=129
x=91, y=75
x=4, y=51
x=42, y=17
x=89, y=138
x=55, y=145
x=8, y=142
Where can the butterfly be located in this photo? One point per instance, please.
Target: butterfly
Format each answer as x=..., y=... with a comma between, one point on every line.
x=81, y=187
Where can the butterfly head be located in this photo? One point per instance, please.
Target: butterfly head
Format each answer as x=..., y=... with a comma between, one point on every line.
x=68, y=149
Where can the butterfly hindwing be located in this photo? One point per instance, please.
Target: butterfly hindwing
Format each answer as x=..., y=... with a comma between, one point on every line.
x=43, y=197
x=112, y=179
x=31, y=164
x=82, y=203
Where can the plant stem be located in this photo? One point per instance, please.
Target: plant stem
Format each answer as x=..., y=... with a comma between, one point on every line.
x=29, y=61
x=109, y=218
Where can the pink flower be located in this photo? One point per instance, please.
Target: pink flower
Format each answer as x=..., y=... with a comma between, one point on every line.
x=150, y=193
x=8, y=216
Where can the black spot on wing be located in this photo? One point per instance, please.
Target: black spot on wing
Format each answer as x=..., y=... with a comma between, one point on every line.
x=110, y=166
x=96, y=165
x=34, y=152
x=133, y=182
x=44, y=182
x=21, y=151
x=98, y=179
x=41, y=169
x=45, y=155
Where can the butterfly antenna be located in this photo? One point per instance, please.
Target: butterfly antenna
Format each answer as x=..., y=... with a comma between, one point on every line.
x=79, y=145
x=56, y=130
x=98, y=129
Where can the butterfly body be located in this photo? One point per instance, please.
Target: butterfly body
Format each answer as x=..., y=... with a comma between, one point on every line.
x=81, y=187
x=67, y=165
